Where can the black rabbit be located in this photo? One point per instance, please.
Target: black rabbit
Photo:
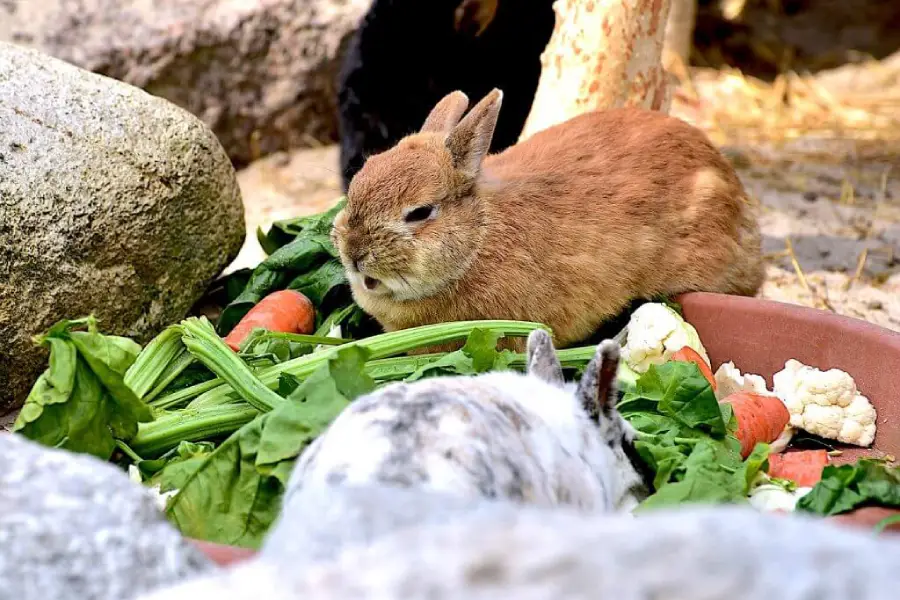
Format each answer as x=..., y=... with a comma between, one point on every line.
x=408, y=54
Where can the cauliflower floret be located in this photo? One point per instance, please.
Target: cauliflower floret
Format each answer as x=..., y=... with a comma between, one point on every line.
x=826, y=403
x=655, y=333
x=770, y=497
x=729, y=380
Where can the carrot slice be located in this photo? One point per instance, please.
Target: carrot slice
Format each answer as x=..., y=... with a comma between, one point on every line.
x=803, y=467
x=761, y=419
x=688, y=354
x=286, y=311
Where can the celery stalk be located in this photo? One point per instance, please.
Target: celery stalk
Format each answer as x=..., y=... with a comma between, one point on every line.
x=173, y=370
x=168, y=430
x=184, y=395
x=379, y=346
x=153, y=360
x=201, y=340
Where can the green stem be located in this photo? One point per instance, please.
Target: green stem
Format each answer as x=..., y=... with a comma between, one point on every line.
x=202, y=341
x=173, y=370
x=316, y=340
x=128, y=451
x=184, y=395
x=168, y=430
x=153, y=360
x=379, y=346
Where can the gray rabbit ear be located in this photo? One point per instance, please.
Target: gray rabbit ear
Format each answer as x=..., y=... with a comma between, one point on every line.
x=446, y=113
x=470, y=141
x=542, y=359
x=597, y=388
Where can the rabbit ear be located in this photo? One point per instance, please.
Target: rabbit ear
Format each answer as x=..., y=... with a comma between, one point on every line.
x=542, y=359
x=597, y=388
x=446, y=113
x=472, y=17
x=470, y=141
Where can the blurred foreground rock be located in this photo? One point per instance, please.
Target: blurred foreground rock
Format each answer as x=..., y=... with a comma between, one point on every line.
x=502, y=551
x=112, y=202
x=242, y=67
x=75, y=528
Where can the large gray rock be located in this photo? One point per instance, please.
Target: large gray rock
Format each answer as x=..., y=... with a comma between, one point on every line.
x=75, y=528
x=112, y=202
x=510, y=552
x=242, y=67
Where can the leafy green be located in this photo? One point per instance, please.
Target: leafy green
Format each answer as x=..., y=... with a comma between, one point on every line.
x=687, y=438
x=301, y=257
x=81, y=402
x=235, y=493
x=844, y=488
x=478, y=355
x=679, y=391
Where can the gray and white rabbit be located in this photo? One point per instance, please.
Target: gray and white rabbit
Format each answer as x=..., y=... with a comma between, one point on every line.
x=530, y=438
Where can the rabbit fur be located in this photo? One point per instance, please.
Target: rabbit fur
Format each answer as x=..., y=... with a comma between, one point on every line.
x=565, y=228
x=407, y=54
x=528, y=438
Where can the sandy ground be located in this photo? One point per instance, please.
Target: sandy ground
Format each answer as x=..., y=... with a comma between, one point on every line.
x=832, y=214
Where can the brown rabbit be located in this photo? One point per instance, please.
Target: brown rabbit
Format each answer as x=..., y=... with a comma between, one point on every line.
x=565, y=228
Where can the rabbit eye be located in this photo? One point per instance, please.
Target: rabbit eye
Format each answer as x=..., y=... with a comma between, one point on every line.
x=421, y=213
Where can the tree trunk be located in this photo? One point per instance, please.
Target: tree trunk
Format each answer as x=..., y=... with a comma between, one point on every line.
x=679, y=34
x=602, y=54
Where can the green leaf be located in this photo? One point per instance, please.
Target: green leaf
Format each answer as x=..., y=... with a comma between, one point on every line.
x=307, y=251
x=313, y=405
x=478, y=355
x=226, y=500
x=680, y=391
x=844, y=488
x=317, y=285
x=234, y=494
x=712, y=474
x=81, y=402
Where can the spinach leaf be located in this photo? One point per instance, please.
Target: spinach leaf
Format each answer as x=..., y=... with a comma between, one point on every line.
x=678, y=390
x=713, y=473
x=234, y=495
x=844, y=488
x=297, y=249
x=687, y=438
x=81, y=402
x=328, y=280
x=478, y=355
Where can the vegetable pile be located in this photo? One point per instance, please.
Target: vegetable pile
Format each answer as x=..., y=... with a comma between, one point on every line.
x=214, y=424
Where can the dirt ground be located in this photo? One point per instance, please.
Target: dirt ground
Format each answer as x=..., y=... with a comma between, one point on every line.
x=830, y=215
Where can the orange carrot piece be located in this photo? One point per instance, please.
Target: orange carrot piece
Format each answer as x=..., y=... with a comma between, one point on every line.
x=688, y=354
x=803, y=467
x=286, y=311
x=761, y=419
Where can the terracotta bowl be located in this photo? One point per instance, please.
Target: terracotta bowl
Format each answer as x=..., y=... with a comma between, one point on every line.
x=759, y=336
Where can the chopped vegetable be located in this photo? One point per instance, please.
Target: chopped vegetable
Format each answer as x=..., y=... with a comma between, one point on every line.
x=257, y=460
x=688, y=354
x=826, y=403
x=81, y=402
x=847, y=487
x=729, y=380
x=285, y=311
x=760, y=419
x=686, y=437
x=803, y=467
x=655, y=333
x=772, y=497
